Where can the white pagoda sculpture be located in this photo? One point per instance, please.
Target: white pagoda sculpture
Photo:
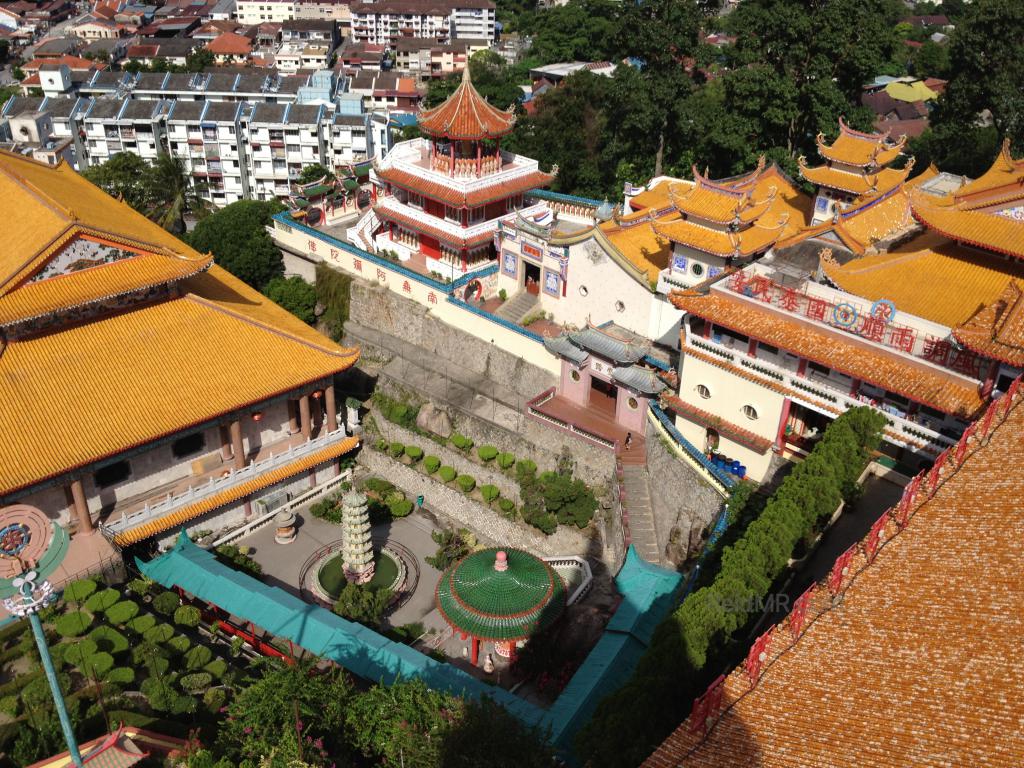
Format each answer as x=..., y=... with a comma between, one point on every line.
x=357, y=545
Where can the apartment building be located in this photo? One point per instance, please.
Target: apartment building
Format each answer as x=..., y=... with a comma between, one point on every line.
x=426, y=59
x=257, y=11
x=387, y=21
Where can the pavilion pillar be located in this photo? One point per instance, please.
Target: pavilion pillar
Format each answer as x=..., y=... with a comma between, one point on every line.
x=312, y=478
x=707, y=329
x=855, y=387
x=752, y=348
x=451, y=157
x=332, y=408
x=304, y=416
x=81, y=507
x=780, y=437
x=801, y=368
x=293, y=417
x=464, y=260
x=225, y=442
x=990, y=378
x=479, y=157
x=474, y=655
x=236, y=444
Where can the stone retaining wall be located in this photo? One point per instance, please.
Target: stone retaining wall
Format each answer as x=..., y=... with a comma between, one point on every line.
x=489, y=526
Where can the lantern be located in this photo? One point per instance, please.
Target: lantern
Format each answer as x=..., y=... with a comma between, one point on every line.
x=257, y=416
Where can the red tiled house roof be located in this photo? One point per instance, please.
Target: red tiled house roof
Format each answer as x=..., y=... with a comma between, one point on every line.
x=466, y=115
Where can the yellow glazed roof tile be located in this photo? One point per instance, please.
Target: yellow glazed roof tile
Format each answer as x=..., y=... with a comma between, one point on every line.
x=1004, y=180
x=644, y=248
x=997, y=331
x=990, y=231
x=861, y=149
x=855, y=183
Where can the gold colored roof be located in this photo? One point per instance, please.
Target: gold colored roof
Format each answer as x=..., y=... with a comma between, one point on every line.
x=1001, y=183
x=997, y=331
x=644, y=248
x=743, y=243
x=990, y=231
x=929, y=277
x=855, y=183
x=720, y=203
x=866, y=150
x=94, y=390
x=656, y=198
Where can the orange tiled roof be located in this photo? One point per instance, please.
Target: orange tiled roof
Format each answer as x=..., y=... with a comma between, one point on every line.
x=990, y=231
x=466, y=115
x=230, y=44
x=866, y=150
x=421, y=224
x=640, y=245
x=755, y=239
x=842, y=352
x=233, y=494
x=1002, y=182
x=929, y=277
x=436, y=190
x=997, y=330
x=720, y=203
x=917, y=664
x=655, y=198
x=855, y=183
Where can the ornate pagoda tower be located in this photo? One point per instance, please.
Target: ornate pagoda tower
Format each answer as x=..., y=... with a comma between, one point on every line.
x=443, y=194
x=357, y=545
x=857, y=169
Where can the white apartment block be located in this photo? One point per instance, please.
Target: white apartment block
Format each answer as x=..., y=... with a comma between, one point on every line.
x=257, y=11
x=388, y=21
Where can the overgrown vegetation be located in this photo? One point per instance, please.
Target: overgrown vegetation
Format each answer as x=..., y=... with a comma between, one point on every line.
x=236, y=235
x=693, y=644
x=453, y=544
x=333, y=293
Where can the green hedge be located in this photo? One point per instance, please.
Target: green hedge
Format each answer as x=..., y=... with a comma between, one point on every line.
x=198, y=657
x=73, y=624
x=214, y=699
x=396, y=449
x=80, y=590
x=526, y=467
x=507, y=506
x=187, y=616
x=100, y=601
x=379, y=485
x=161, y=633
x=466, y=483
x=506, y=460
x=109, y=639
x=489, y=492
x=447, y=474
x=414, y=452
x=121, y=676
x=122, y=612
x=196, y=681
x=166, y=603
x=431, y=464
x=692, y=645
x=217, y=668
x=400, y=508
x=461, y=442
x=179, y=644
x=140, y=624
x=487, y=452
x=10, y=705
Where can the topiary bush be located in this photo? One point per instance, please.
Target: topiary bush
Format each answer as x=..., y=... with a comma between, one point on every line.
x=396, y=449
x=400, y=508
x=140, y=624
x=379, y=485
x=446, y=473
x=100, y=601
x=166, y=603
x=506, y=460
x=414, y=452
x=466, y=483
x=217, y=668
x=122, y=612
x=161, y=633
x=431, y=464
x=141, y=587
x=461, y=442
x=179, y=644
x=187, y=616
x=121, y=676
x=198, y=657
x=525, y=467
x=109, y=639
x=487, y=452
x=195, y=682
x=328, y=509
x=489, y=492
x=546, y=522
x=507, y=506
x=73, y=624
x=78, y=591
x=74, y=653
x=214, y=699
x=97, y=665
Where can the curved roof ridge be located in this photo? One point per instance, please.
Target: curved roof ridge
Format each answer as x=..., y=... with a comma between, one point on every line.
x=33, y=189
x=466, y=115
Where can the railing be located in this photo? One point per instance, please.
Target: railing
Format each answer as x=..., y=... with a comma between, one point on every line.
x=228, y=480
x=721, y=480
x=262, y=520
x=455, y=230
x=548, y=394
x=494, y=318
x=408, y=156
x=574, y=562
x=558, y=197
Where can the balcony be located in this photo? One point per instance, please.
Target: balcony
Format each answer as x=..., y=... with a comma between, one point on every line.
x=414, y=157
x=831, y=398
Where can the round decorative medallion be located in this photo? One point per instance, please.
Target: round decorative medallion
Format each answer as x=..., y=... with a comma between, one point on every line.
x=13, y=539
x=883, y=309
x=25, y=534
x=844, y=315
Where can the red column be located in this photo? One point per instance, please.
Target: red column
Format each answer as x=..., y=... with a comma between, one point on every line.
x=707, y=328
x=990, y=378
x=854, y=387
x=475, y=652
x=81, y=507
x=479, y=149
x=801, y=367
x=752, y=348
x=464, y=260
x=451, y=157
x=780, y=437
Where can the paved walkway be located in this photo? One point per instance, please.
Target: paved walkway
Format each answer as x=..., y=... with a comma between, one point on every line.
x=641, y=517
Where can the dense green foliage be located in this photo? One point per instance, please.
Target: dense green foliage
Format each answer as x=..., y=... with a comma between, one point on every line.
x=239, y=558
x=363, y=604
x=73, y=624
x=554, y=498
x=447, y=473
x=487, y=452
x=102, y=600
x=166, y=602
x=466, y=483
x=122, y=612
x=187, y=616
x=236, y=235
x=295, y=295
x=79, y=591
x=431, y=464
x=396, y=411
x=314, y=172
x=333, y=291
x=453, y=544
x=691, y=646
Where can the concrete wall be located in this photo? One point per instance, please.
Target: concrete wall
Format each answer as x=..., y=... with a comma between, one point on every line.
x=680, y=499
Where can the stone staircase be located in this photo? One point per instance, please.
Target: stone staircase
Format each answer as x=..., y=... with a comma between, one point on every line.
x=518, y=307
x=637, y=503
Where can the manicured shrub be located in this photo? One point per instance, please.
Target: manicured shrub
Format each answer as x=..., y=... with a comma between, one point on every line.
x=239, y=559
x=487, y=452
x=195, y=682
x=74, y=653
x=489, y=492
x=400, y=508
x=506, y=460
x=10, y=705
x=382, y=444
x=78, y=591
x=217, y=668
x=179, y=644
x=431, y=464
x=122, y=612
x=141, y=587
x=328, y=509
x=461, y=442
x=100, y=601
x=525, y=467
x=466, y=483
x=396, y=449
x=379, y=485
x=546, y=522
x=187, y=616
x=394, y=497
x=214, y=699
x=161, y=633
x=140, y=624
x=198, y=657
x=73, y=624
x=414, y=452
x=166, y=603
x=507, y=506
x=109, y=639
x=97, y=665
x=446, y=473
x=121, y=676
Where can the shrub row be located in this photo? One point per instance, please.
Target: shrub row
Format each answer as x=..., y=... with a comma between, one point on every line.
x=675, y=668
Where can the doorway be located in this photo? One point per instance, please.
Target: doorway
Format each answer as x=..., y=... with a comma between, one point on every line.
x=602, y=396
x=531, y=277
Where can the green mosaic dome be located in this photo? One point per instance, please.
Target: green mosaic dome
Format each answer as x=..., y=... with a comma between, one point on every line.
x=476, y=598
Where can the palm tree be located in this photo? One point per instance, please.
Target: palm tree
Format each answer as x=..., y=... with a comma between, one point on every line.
x=173, y=193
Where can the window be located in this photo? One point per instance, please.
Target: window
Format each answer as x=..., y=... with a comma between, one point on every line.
x=703, y=391
x=574, y=375
x=186, y=446
x=697, y=269
x=820, y=369
x=632, y=403
x=583, y=290
x=619, y=306
x=112, y=474
x=750, y=412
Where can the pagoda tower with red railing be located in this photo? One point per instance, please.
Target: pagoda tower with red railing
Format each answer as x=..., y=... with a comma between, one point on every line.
x=444, y=194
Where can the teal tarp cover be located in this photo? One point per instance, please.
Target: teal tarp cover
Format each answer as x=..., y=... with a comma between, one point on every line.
x=648, y=592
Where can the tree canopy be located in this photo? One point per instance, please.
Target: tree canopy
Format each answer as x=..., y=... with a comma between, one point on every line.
x=238, y=240
x=295, y=295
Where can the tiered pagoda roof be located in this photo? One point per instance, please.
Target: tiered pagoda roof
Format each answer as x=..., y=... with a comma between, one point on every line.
x=461, y=196
x=857, y=163
x=466, y=116
x=477, y=597
x=915, y=661
x=997, y=330
x=144, y=365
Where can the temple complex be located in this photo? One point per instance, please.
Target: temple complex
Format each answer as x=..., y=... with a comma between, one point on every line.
x=144, y=389
x=906, y=652
x=907, y=302
x=857, y=168
x=443, y=194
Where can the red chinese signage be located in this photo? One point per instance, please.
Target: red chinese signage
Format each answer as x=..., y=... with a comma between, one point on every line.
x=532, y=251
x=757, y=656
x=798, y=615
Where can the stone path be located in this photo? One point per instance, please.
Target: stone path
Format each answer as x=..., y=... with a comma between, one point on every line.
x=517, y=307
x=641, y=516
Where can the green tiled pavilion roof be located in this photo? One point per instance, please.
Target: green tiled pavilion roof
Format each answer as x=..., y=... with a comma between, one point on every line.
x=501, y=605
